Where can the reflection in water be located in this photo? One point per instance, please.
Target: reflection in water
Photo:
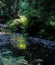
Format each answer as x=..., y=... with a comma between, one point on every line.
x=19, y=42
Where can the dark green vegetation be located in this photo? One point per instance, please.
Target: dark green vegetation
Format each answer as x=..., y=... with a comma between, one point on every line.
x=31, y=17
x=35, y=18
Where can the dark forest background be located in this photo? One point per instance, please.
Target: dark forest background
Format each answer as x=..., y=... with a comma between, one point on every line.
x=30, y=17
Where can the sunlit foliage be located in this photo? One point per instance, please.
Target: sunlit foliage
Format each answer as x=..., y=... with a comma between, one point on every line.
x=24, y=20
x=12, y=25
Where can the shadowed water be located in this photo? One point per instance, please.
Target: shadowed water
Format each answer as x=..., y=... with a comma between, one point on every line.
x=6, y=54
